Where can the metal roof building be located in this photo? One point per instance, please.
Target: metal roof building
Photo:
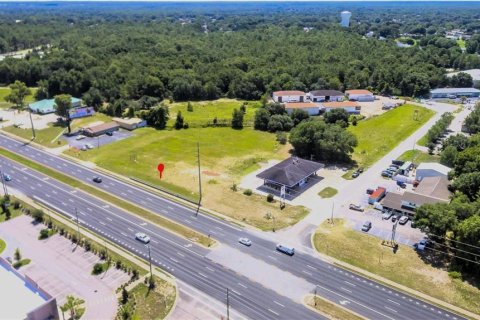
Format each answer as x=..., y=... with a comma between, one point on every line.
x=48, y=105
x=454, y=93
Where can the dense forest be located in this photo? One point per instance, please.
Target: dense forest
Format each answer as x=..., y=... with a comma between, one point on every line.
x=208, y=51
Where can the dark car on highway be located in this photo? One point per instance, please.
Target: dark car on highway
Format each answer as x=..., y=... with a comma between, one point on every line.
x=285, y=249
x=97, y=179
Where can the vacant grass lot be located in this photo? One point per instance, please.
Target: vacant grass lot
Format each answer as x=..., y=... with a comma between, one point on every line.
x=378, y=135
x=417, y=156
x=205, y=111
x=4, y=91
x=225, y=156
x=405, y=267
x=328, y=192
x=46, y=137
x=149, y=304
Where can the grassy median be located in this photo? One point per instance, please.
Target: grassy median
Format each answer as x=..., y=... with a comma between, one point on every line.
x=150, y=216
x=406, y=267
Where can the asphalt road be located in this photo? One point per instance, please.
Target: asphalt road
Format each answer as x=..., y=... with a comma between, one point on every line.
x=172, y=253
x=362, y=295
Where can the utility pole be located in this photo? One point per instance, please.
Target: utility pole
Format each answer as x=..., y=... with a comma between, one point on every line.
x=78, y=225
x=98, y=142
x=333, y=208
x=273, y=218
x=315, y=296
x=5, y=191
x=199, y=179
x=228, y=307
x=31, y=122
x=150, y=262
x=394, y=230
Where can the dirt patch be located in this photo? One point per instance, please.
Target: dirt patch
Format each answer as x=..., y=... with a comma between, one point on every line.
x=210, y=173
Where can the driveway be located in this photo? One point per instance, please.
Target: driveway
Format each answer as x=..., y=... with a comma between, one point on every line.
x=62, y=269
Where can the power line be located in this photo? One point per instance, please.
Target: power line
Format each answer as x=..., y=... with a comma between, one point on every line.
x=474, y=254
x=455, y=256
x=467, y=244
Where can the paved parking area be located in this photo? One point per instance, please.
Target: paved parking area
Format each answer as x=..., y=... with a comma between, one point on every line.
x=97, y=142
x=62, y=269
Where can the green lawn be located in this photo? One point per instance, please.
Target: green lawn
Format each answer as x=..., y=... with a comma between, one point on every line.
x=4, y=91
x=205, y=111
x=423, y=141
x=378, y=135
x=14, y=212
x=366, y=252
x=417, y=156
x=46, y=137
x=328, y=192
x=3, y=245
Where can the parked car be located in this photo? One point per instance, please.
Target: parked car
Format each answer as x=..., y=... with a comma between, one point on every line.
x=355, y=207
x=420, y=245
x=394, y=218
x=7, y=177
x=80, y=137
x=370, y=191
x=285, y=249
x=140, y=236
x=355, y=174
x=245, y=241
x=398, y=162
x=387, y=215
x=403, y=220
x=89, y=146
x=360, y=170
x=367, y=225
x=387, y=174
x=84, y=148
x=97, y=179
x=401, y=184
x=413, y=224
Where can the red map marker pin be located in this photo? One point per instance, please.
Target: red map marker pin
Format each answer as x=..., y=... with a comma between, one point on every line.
x=160, y=168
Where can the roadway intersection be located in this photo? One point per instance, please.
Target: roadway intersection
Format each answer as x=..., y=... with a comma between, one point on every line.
x=251, y=299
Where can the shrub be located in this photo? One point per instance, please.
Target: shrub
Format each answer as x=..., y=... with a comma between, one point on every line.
x=234, y=187
x=17, y=255
x=185, y=125
x=88, y=246
x=248, y=192
x=16, y=205
x=282, y=137
x=97, y=268
x=8, y=215
x=189, y=107
x=455, y=275
x=38, y=214
x=124, y=296
x=270, y=197
x=44, y=234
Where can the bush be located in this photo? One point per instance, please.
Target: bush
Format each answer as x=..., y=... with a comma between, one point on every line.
x=17, y=255
x=234, y=187
x=270, y=197
x=97, y=268
x=282, y=137
x=8, y=215
x=189, y=107
x=44, y=234
x=38, y=214
x=16, y=205
x=455, y=275
x=185, y=125
x=248, y=192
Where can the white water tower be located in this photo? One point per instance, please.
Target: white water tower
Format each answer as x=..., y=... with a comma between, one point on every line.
x=345, y=18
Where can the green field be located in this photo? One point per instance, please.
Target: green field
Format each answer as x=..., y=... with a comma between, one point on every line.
x=328, y=192
x=205, y=111
x=367, y=252
x=423, y=141
x=378, y=135
x=417, y=156
x=3, y=245
x=4, y=91
x=46, y=137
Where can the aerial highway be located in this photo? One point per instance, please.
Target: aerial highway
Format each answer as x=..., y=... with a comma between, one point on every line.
x=357, y=293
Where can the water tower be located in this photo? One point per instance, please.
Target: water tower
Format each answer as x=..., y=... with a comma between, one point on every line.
x=345, y=18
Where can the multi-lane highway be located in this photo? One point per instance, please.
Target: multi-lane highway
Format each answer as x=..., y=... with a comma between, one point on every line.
x=362, y=295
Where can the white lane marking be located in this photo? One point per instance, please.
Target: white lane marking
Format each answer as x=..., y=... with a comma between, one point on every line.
x=47, y=195
x=218, y=228
x=273, y=312
x=170, y=207
x=109, y=219
x=89, y=209
x=130, y=229
x=349, y=283
x=124, y=234
x=272, y=258
x=306, y=272
x=203, y=275
x=309, y=266
x=129, y=191
x=391, y=309
x=210, y=269
x=393, y=301
x=242, y=285
x=358, y=303
x=180, y=254
x=176, y=261
x=102, y=223
x=83, y=214
x=54, y=192
x=154, y=241
x=281, y=305
x=345, y=289
x=237, y=293
x=187, y=221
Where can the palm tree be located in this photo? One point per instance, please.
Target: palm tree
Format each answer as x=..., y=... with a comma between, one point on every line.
x=71, y=305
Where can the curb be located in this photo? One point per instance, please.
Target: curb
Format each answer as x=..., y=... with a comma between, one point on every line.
x=389, y=283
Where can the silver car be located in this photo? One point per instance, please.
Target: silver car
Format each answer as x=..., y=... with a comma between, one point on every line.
x=245, y=241
x=140, y=236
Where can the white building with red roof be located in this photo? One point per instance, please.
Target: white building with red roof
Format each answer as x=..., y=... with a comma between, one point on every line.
x=360, y=95
x=289, y=96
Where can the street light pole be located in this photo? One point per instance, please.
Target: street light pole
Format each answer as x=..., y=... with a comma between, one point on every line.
x=228, y=307
x=333, y=208
x=199, y=179
x=150, y=261
x=31, y=122
x=78, y=225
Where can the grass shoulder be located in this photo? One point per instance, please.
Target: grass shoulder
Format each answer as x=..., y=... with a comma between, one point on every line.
x=48, y=137
x=3, y=245
x=130, y=207
x=328, y=192
x=417, y=156
x=388, y=129
x=329, y=309
x=406, y=267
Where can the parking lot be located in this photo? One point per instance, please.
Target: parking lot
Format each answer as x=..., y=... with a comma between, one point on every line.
x=96, y=142
x=62, y=269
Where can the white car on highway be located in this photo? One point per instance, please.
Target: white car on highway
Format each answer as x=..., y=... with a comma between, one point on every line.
x=140, y=236
x=245, y=241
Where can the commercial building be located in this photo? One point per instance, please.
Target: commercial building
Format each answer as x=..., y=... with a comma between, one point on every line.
x=377, y=195
x=452, y=93
x=350, y=106
x=311, y=108
x=290, y=174
x=431, y=190
x=130, y=123
x=345, y=15
x=431, y=169
x=325, y=95
x=81, y=112
x=360, y=95
x=22, y=298
x=97, y=130
x=48, y=105
x=289, y=96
